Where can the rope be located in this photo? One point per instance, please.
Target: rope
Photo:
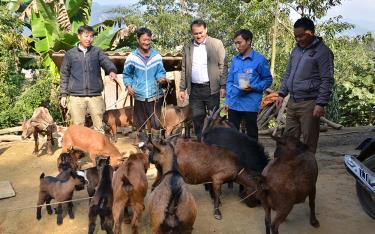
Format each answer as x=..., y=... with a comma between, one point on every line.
x=154, y=112
x=54, y=203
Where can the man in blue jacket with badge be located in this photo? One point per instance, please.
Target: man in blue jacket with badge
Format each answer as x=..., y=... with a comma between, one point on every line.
x=249, y=75
x=143, y=74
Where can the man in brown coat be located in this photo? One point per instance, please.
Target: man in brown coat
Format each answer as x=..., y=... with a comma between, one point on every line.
x=204, y=73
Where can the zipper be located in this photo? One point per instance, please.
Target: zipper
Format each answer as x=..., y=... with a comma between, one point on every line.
x=300, y=58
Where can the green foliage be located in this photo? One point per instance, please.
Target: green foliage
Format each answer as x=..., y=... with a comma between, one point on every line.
x=354, y=93
x=10, y=49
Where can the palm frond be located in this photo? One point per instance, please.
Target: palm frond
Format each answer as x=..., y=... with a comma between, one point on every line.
x=122, y=34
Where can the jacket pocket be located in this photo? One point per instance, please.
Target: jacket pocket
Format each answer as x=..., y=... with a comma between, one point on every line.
x=313, y=86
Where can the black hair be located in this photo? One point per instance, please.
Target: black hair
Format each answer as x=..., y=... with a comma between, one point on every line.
x=142, y=31
x=245, y=34
x=198, y=22
x=305, y=23
x=85, y=28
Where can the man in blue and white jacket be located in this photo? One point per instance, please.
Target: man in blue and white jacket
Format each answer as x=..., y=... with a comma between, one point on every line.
x=143, y=73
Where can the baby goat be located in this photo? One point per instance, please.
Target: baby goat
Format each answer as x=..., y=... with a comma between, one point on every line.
x=59, y=189
x=101, y=203
x=129, y=190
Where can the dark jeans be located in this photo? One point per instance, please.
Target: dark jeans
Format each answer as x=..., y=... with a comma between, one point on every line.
x=143, y=110
x=250, y=119
x=201, y=101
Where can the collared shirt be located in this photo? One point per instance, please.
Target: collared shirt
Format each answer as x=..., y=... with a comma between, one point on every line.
x=84, y=50
x=258, y=72
x=199, y=70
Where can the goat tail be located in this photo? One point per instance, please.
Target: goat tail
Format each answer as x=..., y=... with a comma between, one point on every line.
x=41, y=175
x=171, y=220
x=127, y=185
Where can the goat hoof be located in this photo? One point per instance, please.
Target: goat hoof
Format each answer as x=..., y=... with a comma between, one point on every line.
x=38, y=217
x=315, y=223
x=217, y=214
x=49, y=211
x=71, y=216
x=59, y=222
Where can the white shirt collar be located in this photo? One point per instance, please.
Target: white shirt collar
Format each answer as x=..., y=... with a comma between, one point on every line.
x=203, y=43
x=82, y=48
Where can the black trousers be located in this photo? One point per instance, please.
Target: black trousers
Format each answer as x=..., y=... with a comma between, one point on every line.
x=143, y=110
x=250, y=119
x=201, y=101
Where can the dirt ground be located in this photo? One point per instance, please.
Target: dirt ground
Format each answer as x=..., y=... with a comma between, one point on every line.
x=337, y=207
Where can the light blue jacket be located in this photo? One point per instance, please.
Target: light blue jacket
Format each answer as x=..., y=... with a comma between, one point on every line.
x=142, y=73
x=260, y=79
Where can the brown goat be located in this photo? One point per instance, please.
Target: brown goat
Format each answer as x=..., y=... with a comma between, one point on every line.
x=173, y=117
x=59, y=189
x=40, y=123
x=287, y=180
x=171, y=205
x=92, y=142
x=69, y=160
x=118, y=118
x=101, y=203
x=200, y=163
x=129, y=186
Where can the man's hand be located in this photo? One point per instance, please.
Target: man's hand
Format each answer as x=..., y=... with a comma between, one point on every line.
x=318, y=111
x=63, y=102
x=131, y=90
x=279, y=102
x=112, y=76
x=181, y=95
x=222, y=93
x=162, y=81
x=226, y=108
x=247, y=89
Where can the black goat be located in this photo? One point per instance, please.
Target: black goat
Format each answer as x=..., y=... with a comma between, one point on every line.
x=101, y=203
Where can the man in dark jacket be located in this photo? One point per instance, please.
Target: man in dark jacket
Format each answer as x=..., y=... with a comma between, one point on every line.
x=204, y=73
x=309, y=80
x=80, y=78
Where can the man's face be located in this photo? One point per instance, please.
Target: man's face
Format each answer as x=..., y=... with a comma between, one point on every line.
x=241, y=44
x=199, y=33
x=303, y=37
x=144, y=42
x=86, y=38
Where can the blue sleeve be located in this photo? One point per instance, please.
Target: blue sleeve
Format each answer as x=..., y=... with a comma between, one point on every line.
x=265, y=80
x=230, y=82
x=160, y=73
x=128, y=73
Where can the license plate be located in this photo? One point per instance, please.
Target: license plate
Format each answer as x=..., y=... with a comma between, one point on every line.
x=361, y=172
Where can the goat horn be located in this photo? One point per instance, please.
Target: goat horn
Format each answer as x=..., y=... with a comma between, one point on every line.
x=216, y=113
